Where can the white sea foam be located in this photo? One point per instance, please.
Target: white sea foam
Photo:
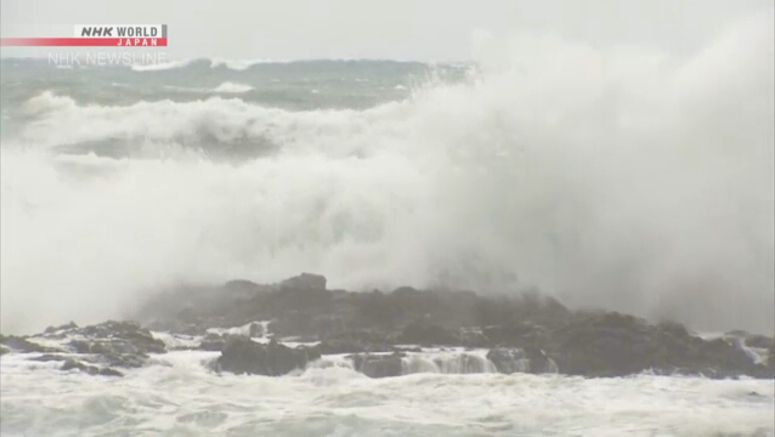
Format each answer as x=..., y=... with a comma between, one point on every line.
x=231, y=64
x=180, y=396
x=241, y=64
x=232, y=88
x=245, y=330
x=160, y=66
x=625, y=179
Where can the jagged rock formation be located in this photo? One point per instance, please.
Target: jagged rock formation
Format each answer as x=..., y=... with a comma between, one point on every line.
x=21, y=344
x=242, y=355
x=94, y=349
x=378, y=366
x=530, y=360
x=612, y=344
x=526, y=333
x=382, y=333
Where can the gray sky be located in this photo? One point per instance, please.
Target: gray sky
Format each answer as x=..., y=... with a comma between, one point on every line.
x=405, y=29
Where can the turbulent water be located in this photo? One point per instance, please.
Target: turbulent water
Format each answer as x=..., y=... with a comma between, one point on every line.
x=450, y=392
x=182, y=398
x=631, y=180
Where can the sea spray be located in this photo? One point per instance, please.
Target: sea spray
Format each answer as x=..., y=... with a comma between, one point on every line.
x=594, y=175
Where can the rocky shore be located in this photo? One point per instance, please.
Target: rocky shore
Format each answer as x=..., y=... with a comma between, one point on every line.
x=284, y=328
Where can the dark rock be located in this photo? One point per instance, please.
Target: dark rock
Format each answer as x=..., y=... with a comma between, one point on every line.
x=528, y=360
x=355, y=343
x=355, y=340
x=517, y=334
x=122, y=344
x=21, y=344
x=214, y=342
x=589, y=344
x=540, y=362
x=406, y=292
x=473, y=338
x=509, y=360
x=299, y=304
x=310, y=320
x=55, y=329
x=192, y=310
x=400, y=348
x=302, y=306
x=50, y=357
x=107, y=371
x=613, y=344
x=305, y=281
x=71, y=364
x=376, y=308
x=428, y=335
x=750, y=340
x=760, y=341
x=609, y=344
x=256, y=330
x=723, y=354
x=378, y=366
x=409, y=302
x=527, y=307
x=242, y=355
x=126, y=337
x=242, y=286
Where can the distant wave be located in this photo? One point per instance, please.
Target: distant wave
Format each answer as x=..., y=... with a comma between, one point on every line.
x=241, y=64
x=209, y=124
x=232, y=88
x=245, y=64
x=231, y=64
x=223, y=88
x=161, y=66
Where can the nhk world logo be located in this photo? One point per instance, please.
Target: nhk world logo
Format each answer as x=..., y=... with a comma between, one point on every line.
x=101, y=35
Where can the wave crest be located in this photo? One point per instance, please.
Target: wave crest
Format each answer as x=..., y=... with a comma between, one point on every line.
x=630, y=180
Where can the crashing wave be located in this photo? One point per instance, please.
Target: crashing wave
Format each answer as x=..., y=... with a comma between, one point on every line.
x=232, y=88
x=557, y=174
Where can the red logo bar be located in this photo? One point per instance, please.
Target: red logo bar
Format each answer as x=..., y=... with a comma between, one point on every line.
x=84, y=42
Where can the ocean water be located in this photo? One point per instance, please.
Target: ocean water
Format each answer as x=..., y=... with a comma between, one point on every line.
x=628, y=180
x=178, y=395
x=594, y=178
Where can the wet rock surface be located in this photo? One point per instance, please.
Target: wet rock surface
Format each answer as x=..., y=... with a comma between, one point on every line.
x=427, y=334
x=771, y=358
x=354, y=342
x=118, y=344
x=71, y=364
x=215, y=342
x=375, y=329
x=243, y=355
x=527, y=332
x=94, y=349
x=750, y=340
x=530, y=360
x=378, y=366
x=613, y=344
x=12, y=343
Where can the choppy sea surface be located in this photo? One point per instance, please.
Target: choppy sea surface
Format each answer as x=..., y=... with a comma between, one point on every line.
x=178, y=395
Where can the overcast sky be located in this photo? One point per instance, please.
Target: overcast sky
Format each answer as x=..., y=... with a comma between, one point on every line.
x=439, y=30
